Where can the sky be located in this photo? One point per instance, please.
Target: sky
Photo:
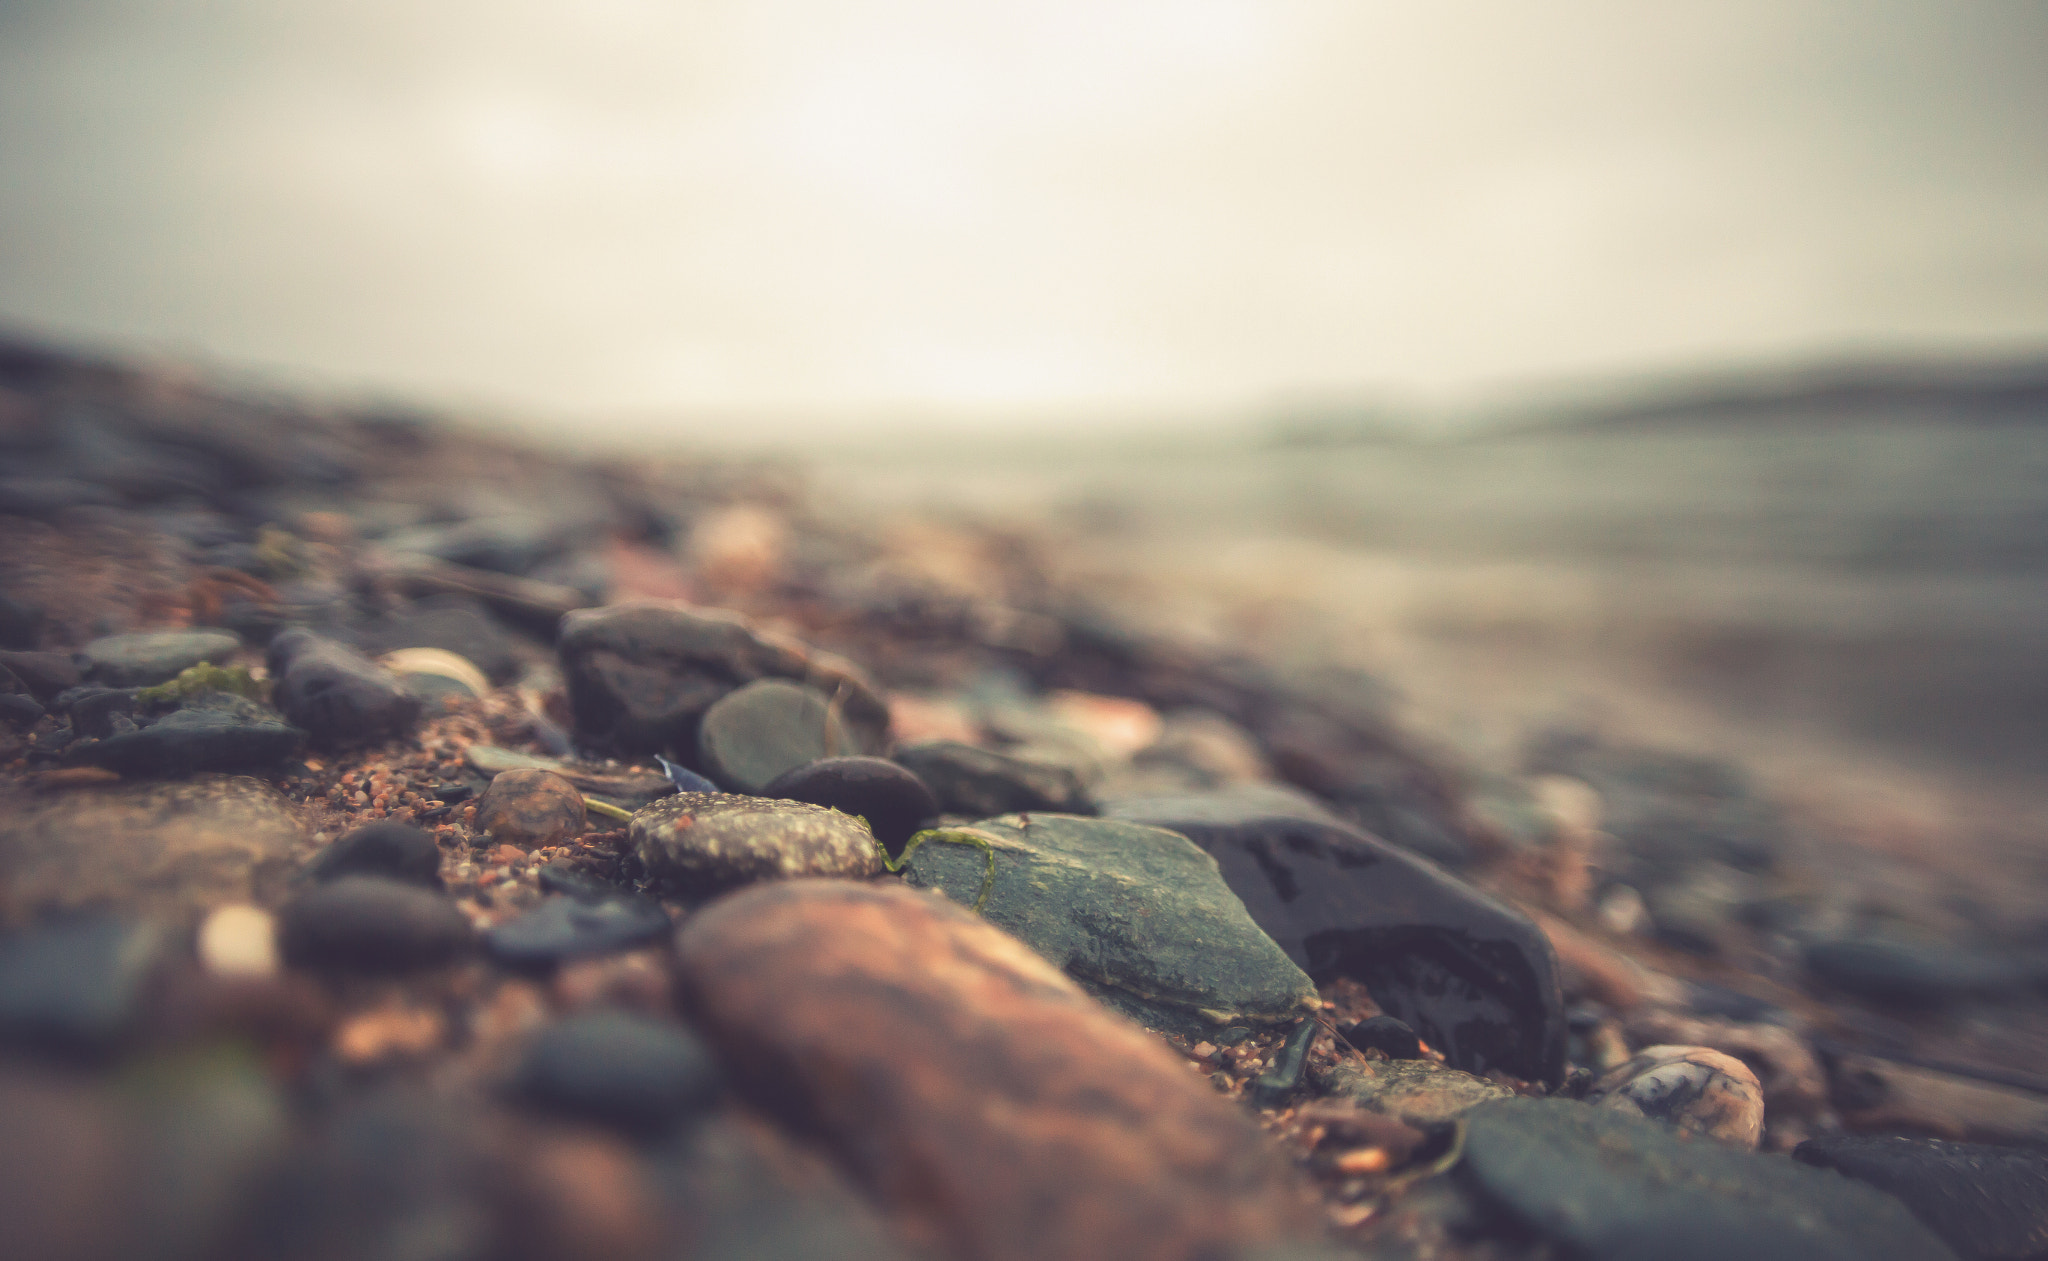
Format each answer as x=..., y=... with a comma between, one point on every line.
x=660, y=212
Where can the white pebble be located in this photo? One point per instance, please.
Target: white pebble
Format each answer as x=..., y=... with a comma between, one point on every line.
x=239, y=941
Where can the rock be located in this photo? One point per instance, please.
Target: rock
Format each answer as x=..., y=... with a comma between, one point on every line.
x=21, y=624
x=1894, y=970
x=1692, y=1088
x=168, y=849
x=1605, y=1186
x=239, y=941
x=1790, y=1075
x=1390, y=1037
x=575, y=925
x=44, y=674
x=704, y=843
x=755, y=733
x=433, y=675
x=1988, y=1203
x=644, y=1078
x=146, y=658
x=371, y=924
x=338, y=695
x=220, y=732
x=73, y=987
x=894, y=802
x=991, y=1106
x=628, y=790
x=94, y=710
x=1196, y=749
x=749, y=1191
x=1415, y=1092
x=979, y=782
x=531, y=808
x=1475, y=978
x=384, y=848
x=490, y=760
x=1875, y=1094
x=19, y=710
x=1138, y=915
x=452, y=623
x=1358, y=765
x=640, y=675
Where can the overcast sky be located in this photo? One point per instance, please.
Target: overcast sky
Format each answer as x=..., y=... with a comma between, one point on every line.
x=618, y=208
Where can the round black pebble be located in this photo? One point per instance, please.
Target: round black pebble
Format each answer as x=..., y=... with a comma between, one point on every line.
x=641, y=1077
x=1385, y=1034
x=571, y=926
x=386, y=848
x=891, y=799
x=372, y=924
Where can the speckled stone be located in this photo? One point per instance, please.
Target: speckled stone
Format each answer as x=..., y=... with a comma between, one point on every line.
x=529, y=808
x=1691, y=1087
x=703, y=843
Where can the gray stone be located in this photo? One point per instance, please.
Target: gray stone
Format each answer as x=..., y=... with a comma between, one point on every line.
x=755, y=733
x=1138, y=914
x=215, y=732
x=146, y=658
x=642, y=1077
x=703, y=843
x=1610, y=1187
x=1987, y=1202
x=1419, y=1092
x=73, y=987
x=371, y=925
x=981, y=782
x=1894, y=969
x=340, y=697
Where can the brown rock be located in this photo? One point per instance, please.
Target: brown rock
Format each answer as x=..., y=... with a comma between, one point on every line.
x=995, y=1108
x=530, y=808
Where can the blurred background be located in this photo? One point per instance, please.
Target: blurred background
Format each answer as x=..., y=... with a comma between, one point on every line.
x=1683, y=368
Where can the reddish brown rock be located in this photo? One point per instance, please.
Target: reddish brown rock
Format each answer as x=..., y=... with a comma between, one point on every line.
x=531, y=807
x=990, y=1104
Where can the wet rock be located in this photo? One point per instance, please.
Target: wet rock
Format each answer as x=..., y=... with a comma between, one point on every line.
x=73, y=987
x=749, y=1191
x=19, y=710
x=1793, y=1082
x=1606, y=1186
x=894, y=802
x=577, y=924
x=146, y=658
x=757, y=732
x=980, y=782
x=44, y=674
x=644, y=1078
x=1377, y=785
x=1988, y=1203
x=1137, y=914
x=371, y=924
x=454, y=624
x=640, y=675
x=1390, y=1037
x=1017, y=1119
x=708, y=842
x=1891, y=969
x=1283, y=1076
x=1689, y=1087
x=531, y=808
x=338, y=695
x=1415, y=1092
x=219, y=732
x=1475, y=978
x=384, y=848
x=168, y=849
x=94, y=710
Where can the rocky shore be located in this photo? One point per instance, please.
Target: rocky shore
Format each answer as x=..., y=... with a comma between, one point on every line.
x=414, y=845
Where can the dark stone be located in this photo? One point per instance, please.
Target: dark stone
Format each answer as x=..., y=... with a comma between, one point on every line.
x=1913, y=974
x=1390, y=1037
x=21, y=624
x=1605, y=1186
x=757, y=732
x=1283, y=1077
x=1987, y=1202
x=338, y=695
x=72, y=987
x=685, y=780
x=19, y=710
x=93, y=709
x=384, y=848
x=892, y=800
x=371, y=924
x=980, y=782
x=44, y=674
x=642, y=1077
x=560, y=877
x=1475, y=978
x=573, y=925
x=215, y=733
x=529, y=808
x=452, y=623
x=453, y=792
x=146, y=658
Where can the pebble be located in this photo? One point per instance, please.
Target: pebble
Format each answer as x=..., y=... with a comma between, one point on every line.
x=217, y=732
x=384, y=848
x=1691, y=1088
x=894, y=802
x=531, y=808
x=1390, y=1037
x=94, y=710
x=988, y=1103
x=980, y=782
x=574, y=925
x=146, y=658
x=371, y=924
x=340, y=697
x=432, y=674
x=1790, y=1074
x=1989, y=1203
x=1475, y=978
x=44, y=674
x=641, y=1077
x=1138, y=915
x=1893, y=970
x=73, y=987
x=1415, y=1092
x=239, y=941
x=454, y=624
x=19, y=710
x=757, y=732
x=704, y=843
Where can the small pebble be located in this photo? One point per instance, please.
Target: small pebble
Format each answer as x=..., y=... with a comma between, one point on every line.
x=890, y=798
x=239, y=941
x=397, y=850
x=371, y=924
x=769, y=727
x=641, y=1077
x=574, y=925
x=1392, y=1038
x=530, y=808
x=1691, y=1087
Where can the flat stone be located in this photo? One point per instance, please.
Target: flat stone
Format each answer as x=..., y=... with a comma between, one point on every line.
x=1911, y=973
x=530, y=808
x=1139, y=915
x=981, y=782
x=1986, y=1202
x=384, y=848
x=146, y=658
x=894, y=802
x=340, y=697
x=167, y=848
x=371, y=924
x=73, y=987
x=214, y=733
x=1606, y=1186
x=1693, y=1088
x=1416, y=1092
x=44, y=674
x=573, y=926
x=1477, y=979
x=642, y=1077
x=754, y=733
x=704, y=843
x=978, y=1093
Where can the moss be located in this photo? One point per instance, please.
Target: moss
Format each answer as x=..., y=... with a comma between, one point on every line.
x=203, y=678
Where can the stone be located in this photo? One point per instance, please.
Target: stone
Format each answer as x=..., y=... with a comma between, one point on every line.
x=340, y=697
x=980, y=782
x=641, y=674
x=21, y=624
x=704, y=843
x=44, y=674
x=94, y=710
x=19, y=710
x=1875, y=1094
x=531, y=808
x=433, y=675
x=628, y=790
x=1789, y=1073
x=573, y=926
x=991, y=1106
x=170, y=849
x=1692, y=1088
x=1415, y=1092
x=73, y=987
x=750, y=1191
x=146, y=658
x=373, y=925
x=452, y=623
x=1988, y=1203
x=1901, y=972
x=644, y=1078
x=1283, y=1076
x=1390, y=1037
x=383, y=848
x=1138, y=915
x=219, y=732
x=754, y=733
x=894, y=802
x=239, y=941
x=1477, y=979
x=1606, y=1186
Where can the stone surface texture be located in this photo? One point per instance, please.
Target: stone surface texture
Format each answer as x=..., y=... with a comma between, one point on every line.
x=1419, y=1092
x=709, y=842
x=1693, y=1088
x=528, y=808
x=1987, y=1202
